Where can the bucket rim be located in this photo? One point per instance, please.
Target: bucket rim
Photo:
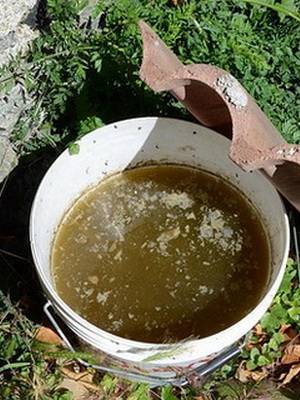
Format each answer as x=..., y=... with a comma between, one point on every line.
x=100, y=333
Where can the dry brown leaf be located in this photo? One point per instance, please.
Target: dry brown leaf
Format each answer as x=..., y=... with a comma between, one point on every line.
x=244, y=375
x=282, y=376
x=288, y=332
x=289, y=359
x=293, y=349
x=177, y=2
x=85, y=378
x=78, y=391
x=291, y=354
x=46, y=335
x=258, y=330
x=258, y=376
x=78, y=376
x=90, y=386
x=293, y=372
x=260, y=337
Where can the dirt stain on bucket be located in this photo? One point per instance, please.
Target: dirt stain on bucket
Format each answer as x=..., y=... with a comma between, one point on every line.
x=161, y=253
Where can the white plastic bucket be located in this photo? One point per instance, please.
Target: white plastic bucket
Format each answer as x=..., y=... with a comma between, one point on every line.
x=131, y=143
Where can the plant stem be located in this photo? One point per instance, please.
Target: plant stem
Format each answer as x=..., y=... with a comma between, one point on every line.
x=14, y=366
x=277, y=7
x=61, y=53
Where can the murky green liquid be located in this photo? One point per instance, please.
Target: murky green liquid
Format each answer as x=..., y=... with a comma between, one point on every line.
x=160, y=254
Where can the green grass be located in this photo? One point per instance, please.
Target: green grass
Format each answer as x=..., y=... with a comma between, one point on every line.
x=80, y=78
x=24, y=372
x=32, y=370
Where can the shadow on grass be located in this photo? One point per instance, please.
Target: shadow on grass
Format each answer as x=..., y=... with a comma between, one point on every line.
x=18, y=277
x=114, y=94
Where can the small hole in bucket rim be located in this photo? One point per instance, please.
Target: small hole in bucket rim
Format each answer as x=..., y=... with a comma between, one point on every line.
x=139, y=128
x=157, y=146
x=195, y=132
x=116, y=126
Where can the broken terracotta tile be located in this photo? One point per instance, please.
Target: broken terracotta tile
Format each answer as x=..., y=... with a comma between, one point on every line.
x=220, y=102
